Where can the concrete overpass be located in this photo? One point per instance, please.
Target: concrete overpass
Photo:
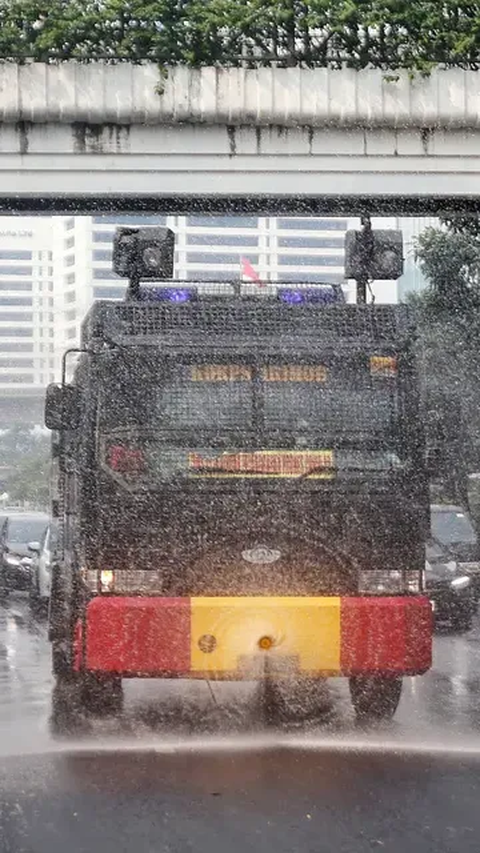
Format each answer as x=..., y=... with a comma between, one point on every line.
x=96, y=137
x=86, y=137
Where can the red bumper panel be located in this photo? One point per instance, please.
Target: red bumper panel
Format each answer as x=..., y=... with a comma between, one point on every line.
x=138, y=635
x=386, y=635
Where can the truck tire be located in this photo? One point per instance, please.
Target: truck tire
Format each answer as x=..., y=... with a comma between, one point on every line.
x=61, y=659
x=375, y=698
x=101, y=695
x=65, y=717
x=34, y=601
x=295, y=701
x=273, y=704
x=76, y=695
x=4, y=590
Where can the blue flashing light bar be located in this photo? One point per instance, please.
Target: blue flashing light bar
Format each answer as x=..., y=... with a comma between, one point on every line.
x=323, y=294
x=176, y=295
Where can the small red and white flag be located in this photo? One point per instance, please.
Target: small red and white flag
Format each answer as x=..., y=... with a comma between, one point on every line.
x=249, y=273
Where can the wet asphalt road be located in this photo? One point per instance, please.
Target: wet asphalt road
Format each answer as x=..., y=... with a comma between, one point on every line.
x=187, y=768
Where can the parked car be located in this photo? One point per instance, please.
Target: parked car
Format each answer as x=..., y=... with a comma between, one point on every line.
x=40, y=570
x=453, y=532
x=450, y=589
x=17, y=530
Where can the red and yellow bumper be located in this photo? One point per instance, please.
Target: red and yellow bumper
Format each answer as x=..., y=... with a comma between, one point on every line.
x=234, y=638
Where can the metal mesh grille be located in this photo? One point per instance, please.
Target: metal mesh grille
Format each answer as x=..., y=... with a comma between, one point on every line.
x=249, y=317
x=334, y=411
x=340, y=397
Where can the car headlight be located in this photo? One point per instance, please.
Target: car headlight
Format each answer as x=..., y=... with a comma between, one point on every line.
x=461, y=583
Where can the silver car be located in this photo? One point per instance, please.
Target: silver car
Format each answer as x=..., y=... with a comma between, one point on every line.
x=41, y=569
x=17, y=531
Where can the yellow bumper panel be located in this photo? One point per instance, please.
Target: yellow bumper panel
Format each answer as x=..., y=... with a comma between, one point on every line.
x=228, y=633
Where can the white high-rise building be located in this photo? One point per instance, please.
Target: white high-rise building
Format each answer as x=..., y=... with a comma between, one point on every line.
x=27, y=317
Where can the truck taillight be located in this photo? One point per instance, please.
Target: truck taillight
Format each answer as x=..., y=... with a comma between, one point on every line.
x=414, y=581
x=125, y=460
x=389, y=582
x=124, y=581
x=107, y=579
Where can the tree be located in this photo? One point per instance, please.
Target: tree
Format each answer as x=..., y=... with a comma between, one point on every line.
x=30, y=480
x=448, y=314
x=25, y=452
x=356, y=33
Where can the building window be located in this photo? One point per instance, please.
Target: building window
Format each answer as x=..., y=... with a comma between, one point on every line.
x=12, y=270
x=204, y=258
x=16, y=362
x=71, y=333
x=24, y=286
x=15, y=332
x=311, y=260
x=105, y=274
x=70, y=224
x=102, y=236
x=15, y=255
x=24, y=378
x=108, y=292
x=70, y=260
x=212, y=275
x=138, y=219
x=70, y=297
x=222, y=240
x=50, y=256
x=309, y=242
x=70, y=315
x=313, y=277
x=10, y=346
x=69, y=242
x=17, y=317
x=70, y=278
x=16, y=300
x=102, y=254
x=223, y=221
x=300, y=224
